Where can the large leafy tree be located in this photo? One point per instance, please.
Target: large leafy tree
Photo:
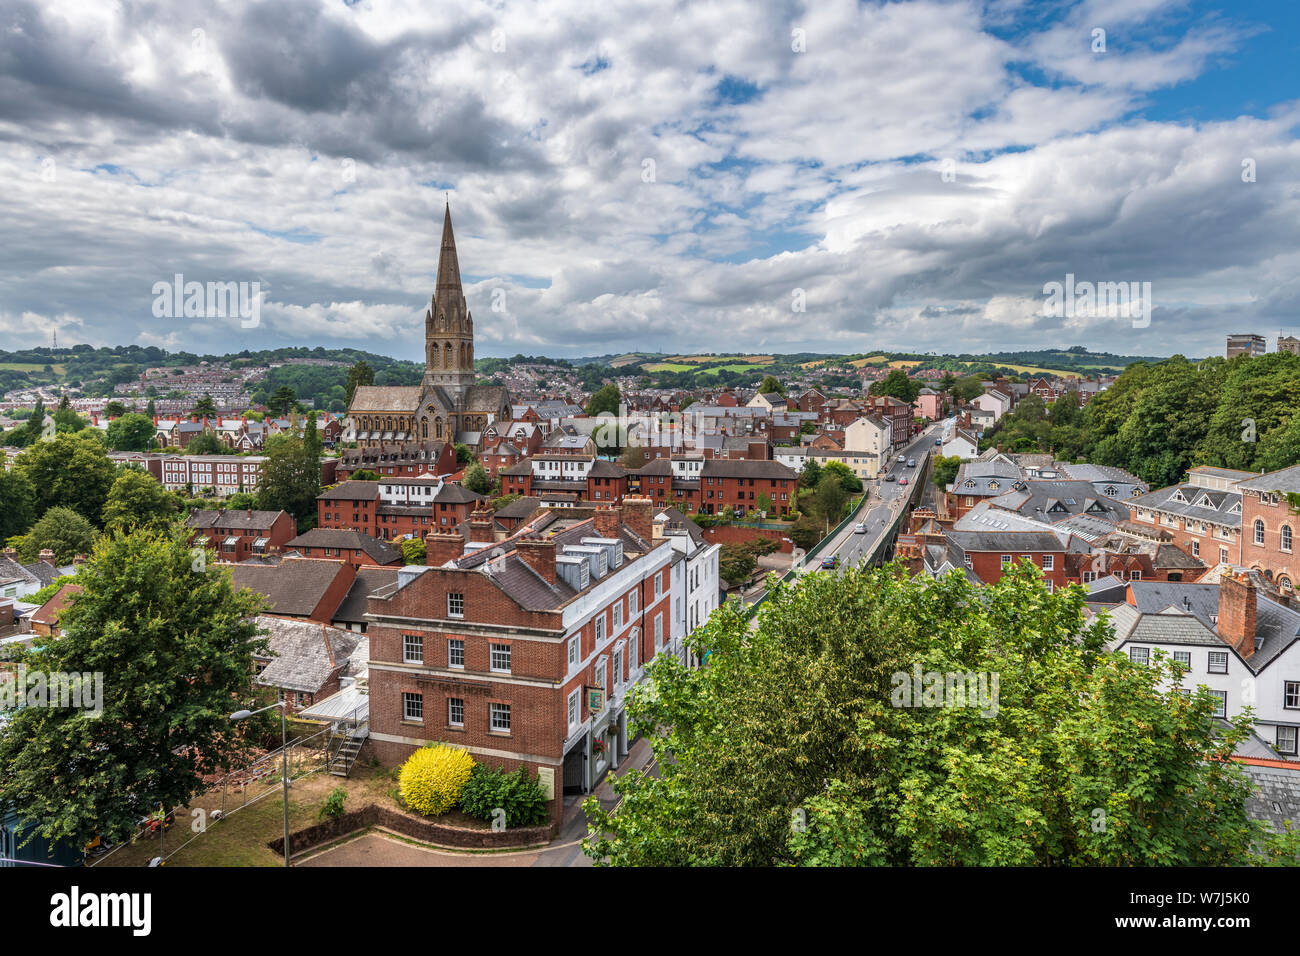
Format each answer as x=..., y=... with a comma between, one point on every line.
x=137, y=500
x=205, y=407
x=131, y=432
x=72, y=471
x=794, y=746
x=17, y=502
x=60, y=530
x=174, y=646
x=290, y=480
x=605, y=399
x=897, y=385
x=205, y=443
x=359, y=374
x=476, y=479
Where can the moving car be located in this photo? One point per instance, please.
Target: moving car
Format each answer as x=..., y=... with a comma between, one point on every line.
x=903, y=480
x=902, y=458
x=860, y=528
x=832, y=562
x=890, y=476
x=911, y=463
x=938, y=441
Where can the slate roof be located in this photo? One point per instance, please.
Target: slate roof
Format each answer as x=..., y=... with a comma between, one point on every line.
x=745, y=468
x=454, y=494
x=1200, y=504
x=1276, y=799
x=1286, y=480
x=233, y=520
x=345, y=540
x=384, y=398
x=293, y=587
x=351, y=491
x=369, y=582
x=1052, y=500
x=1014, y=543
x=304, y=654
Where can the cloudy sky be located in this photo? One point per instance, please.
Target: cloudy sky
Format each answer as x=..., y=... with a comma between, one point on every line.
x=649, y=175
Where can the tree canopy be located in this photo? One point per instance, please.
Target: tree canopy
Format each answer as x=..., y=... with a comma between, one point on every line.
x=798, y=744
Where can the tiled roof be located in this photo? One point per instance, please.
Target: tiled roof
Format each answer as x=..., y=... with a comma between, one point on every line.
x=375, y=549
x=294, y=586
x=385, y=398
x=234, y=520
x=369, y=581
x=304, y=654
x=351, y=491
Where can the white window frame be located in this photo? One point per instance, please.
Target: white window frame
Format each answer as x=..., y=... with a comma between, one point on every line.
x=573, y=651
x=455, y=648
x=1049, y=562
x=574, y=708
x=1293, y=733
x=1217, y=657
x=410, y=656
x=495, y=713
x=451, y=711
x=1291, y=695
x=1222, y=709
x=1139, y=655
x=1184, y=658
x=495, y=652
x=455, y=604
x=412, y=701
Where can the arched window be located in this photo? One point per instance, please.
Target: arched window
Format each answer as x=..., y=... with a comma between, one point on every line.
x=437, y=427
x=446, y=358
x=424, y=428
x=1286, y=537
x=1259, y=531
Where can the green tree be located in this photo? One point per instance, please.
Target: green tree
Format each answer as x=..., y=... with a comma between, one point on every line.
x=897, y=385
x=413, y=551
x=17, y=502
x=66, y=420
x=811, y=474
x=806, y=532
x=735, y=564
x=205, y=443
x=131, y=432
x=797, y=746
x=967, y=388
x=606, y=399
x=476, y=479
x=71, y=471
x=176, y=648
x=282, y=401
x=463, y=453
x=850, y=482
x=771, y=384
x=945, y=470
x=205, y=407
x=114, y=409
x=62, y=531
x=35, y=425
x=137, y=500
x=830, y=496
x=359, y=374
x=290, y=481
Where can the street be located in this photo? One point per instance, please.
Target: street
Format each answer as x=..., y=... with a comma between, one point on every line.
x=882, y=505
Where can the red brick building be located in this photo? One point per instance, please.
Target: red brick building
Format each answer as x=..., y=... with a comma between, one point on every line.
x=354, y=547
x=407, y=458
x=718, y=484
x=523, y=652
x=586, y=476
x=239, y=535
x=1270, y=525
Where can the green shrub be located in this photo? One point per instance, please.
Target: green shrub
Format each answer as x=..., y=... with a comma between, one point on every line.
x=518, y=794
x=332, y=806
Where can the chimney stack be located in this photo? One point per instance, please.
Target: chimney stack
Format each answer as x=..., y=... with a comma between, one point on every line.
x=1237, y=606
x=47, y=555
x=79, y=560
x=606, y=521
x=538, y=553
x=637, y=514
x=481, y=525
x=441, y=547
x=11, y=554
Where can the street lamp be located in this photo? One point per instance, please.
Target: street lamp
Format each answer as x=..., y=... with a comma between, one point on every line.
x=284, y=761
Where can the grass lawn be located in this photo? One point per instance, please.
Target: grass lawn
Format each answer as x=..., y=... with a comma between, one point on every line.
x=240, y=839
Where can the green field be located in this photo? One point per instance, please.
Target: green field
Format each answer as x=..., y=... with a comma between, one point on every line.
x=667, y=367
x=30, y=367
x=730, y=368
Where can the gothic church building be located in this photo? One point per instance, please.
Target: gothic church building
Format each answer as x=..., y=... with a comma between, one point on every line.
x=446, y=406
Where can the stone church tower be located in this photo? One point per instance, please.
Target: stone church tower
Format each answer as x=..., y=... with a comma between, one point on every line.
x=446, y=406
x=448, y=327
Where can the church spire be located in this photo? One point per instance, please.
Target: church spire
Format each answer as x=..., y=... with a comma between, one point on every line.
x=448, y=266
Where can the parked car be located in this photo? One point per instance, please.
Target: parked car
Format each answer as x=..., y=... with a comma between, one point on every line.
x=860, y=528
x=831, y=563
x=903, y=480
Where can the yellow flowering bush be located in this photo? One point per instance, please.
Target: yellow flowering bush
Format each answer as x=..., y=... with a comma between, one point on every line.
x=432, y=777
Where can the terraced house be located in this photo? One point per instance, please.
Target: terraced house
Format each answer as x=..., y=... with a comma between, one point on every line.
x=1203, y=514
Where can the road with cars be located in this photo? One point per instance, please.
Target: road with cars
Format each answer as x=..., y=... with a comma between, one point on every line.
x=884, y=501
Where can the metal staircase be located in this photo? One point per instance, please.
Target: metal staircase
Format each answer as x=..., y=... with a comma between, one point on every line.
x=345, y=744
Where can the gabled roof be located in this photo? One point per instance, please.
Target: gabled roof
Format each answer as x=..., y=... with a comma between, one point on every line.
x=304, y=654
x=293, y=587
x=376, y=550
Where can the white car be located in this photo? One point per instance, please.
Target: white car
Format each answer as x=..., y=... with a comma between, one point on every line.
x=860, y=528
